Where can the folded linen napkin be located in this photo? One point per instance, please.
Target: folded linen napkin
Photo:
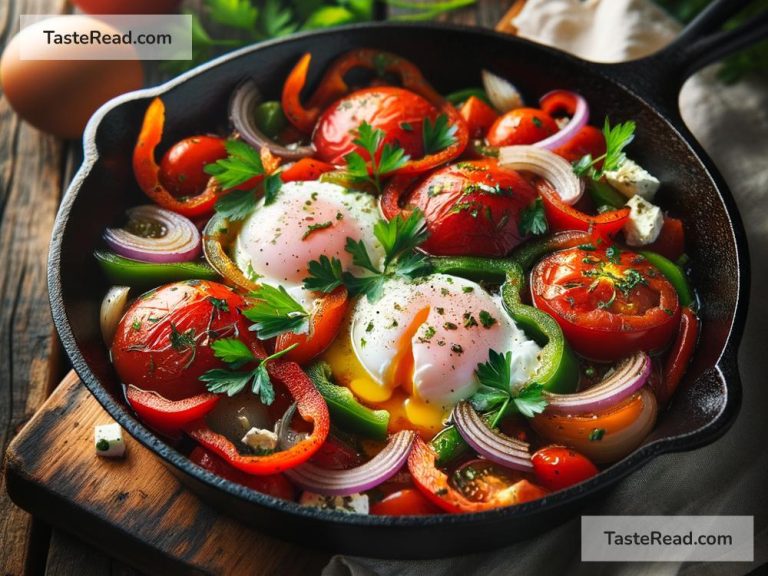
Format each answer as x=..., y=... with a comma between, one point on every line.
x=728, y=476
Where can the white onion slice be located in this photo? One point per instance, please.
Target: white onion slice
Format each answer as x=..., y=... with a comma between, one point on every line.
x=112, y=307
x=180, y=241
x=502, y=93
x=379, y=469
x=553, y=168
x=577, y=122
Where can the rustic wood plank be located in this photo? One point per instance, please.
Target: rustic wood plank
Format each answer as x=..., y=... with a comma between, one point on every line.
x=30, y=187
x=134, y=509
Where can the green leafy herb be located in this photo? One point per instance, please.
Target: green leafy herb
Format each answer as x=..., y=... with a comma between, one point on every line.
x=325, y=275
x=617, y=138
x=596, y=435
x=182, y=341
x=383, y=158
x=439, y=135
x=495, y=389
x=315, y=227
x=102, y=445
x=236, y=205
x=231, y=381
x=272, y=185
x=486, y=319
x=533, y=220
x=399, y=235
x=219, y=303
x=242, y=163
x=275, y=312
x=613, y=253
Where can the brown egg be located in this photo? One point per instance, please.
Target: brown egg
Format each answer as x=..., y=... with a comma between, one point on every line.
x=59, y=96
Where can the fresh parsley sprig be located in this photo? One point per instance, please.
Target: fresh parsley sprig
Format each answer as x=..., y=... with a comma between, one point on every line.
x=399, y=237
x=495, y=391
x=533, y=220
x=617, y=138
x=382, y=158
x=242, y=163
x=275, y=312
x=231, y=381
x=439, y=135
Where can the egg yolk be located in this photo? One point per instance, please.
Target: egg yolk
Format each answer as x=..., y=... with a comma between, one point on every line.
x=407, y=411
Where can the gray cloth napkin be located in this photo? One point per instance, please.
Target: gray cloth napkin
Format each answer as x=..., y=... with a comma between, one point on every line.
x=729, y=476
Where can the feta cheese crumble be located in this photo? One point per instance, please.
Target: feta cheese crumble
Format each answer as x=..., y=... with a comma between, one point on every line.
x=108, y=440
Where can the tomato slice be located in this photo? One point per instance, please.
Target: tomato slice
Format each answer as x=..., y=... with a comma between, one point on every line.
x=407, y=502
x=609, y=304
x=478, y=115
x=325, y=323
x=521, y=126
x=558, y=467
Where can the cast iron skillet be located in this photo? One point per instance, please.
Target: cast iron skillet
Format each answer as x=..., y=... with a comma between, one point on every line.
x=451, y=57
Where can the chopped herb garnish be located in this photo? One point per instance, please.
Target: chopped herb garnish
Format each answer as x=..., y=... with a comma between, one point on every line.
x=272, y=185
x=242, y=163
x=383, y=158
x=457, y=348
x=596, y=435
x=469, y=320
x=536, y=121
x=275, y=312
x=450, y=326
x=407, y=126
x=429, y=332
x=315, y=227
x=219, y=303
x=614, y=254
x=182, y=341
x=102, y=445
x=486, y=319
x=136, y=325
x=467, y=289
x=617, y=138
x=533, y=220
x=439, y=135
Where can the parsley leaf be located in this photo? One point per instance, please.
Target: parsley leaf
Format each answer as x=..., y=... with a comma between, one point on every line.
x=360, y=256
x=242, y=163
x=617, y=138
x=232, y=351
x=383, y=159
x=275, y=312
x=533, y=220
x=398, y=235
x=439, y=135
x=272, y=185
x=325, y=275
x=495, y=389
x=236, y=205
x=224, y=381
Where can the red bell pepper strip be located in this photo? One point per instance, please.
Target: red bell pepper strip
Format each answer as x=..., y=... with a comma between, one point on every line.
x=562, y=217
x=147, y=170
x=168, y=415
x=275, y=485
x=671, y=240
x=679, y=356
x=324, y=325
x=311, y=407
x=305, y=169
x=333, y=86
x=434, y=484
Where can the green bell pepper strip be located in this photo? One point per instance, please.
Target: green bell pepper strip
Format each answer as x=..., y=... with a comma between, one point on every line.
x=127, y=272
x=270, y=118
x=603, y=194
x=345, y=410
x=528, y=253
x=463, y=95
x=674, y=274
x=559, y=368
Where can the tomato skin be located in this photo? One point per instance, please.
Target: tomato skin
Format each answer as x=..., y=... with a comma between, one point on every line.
x=275, y=485
x=407, y=502
x=671, y=240
x=557, y=467
x=599, y=320
x=387, y=108
x=521, y=126
x=181, y=169
x=478, y=115
x=304, y=170
x=588, y=140
x=457, y=201
x=147, y=351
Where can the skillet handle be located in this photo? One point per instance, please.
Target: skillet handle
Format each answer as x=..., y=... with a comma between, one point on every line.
x=659, y=77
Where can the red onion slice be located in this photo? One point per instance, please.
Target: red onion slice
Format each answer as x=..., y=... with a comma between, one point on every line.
x=491, y=444
x=553, y=168
x=379, y=469
x=176, y=238
x=577, y=122
x=242, y=112
x=625, y=379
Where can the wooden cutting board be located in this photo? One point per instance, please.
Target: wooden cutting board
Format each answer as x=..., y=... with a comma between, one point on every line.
x=134, y=509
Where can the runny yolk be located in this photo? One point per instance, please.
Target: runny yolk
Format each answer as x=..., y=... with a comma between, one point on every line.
x=396, y=393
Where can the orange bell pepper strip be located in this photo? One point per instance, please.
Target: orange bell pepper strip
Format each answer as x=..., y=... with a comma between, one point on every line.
x=147, y=170
x=311, y=406
x=305, y=169
x=324, y=325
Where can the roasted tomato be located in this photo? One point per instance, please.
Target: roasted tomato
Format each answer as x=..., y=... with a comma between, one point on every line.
x=588, y=140
x=557, y=467
x=478, y=115
x=181, y=169
x=471, y=208
x=406, y=502
x=609, y=303
x=521, y=126
x=398, y=112
x=163, y=340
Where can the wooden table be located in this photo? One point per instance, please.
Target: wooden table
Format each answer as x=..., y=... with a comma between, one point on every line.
x=34, y=171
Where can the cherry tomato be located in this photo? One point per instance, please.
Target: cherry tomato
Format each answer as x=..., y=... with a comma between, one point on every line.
x=479, y=116
x=181, y=169
x=609, y=304
x=471, y=207
x=557, y=467
x=521, y=126
x=407, y=502
x=483, y=481
x=163, y=342
x=336, y=454
x=398, y=112
x=588, y=140
x=275, y=485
